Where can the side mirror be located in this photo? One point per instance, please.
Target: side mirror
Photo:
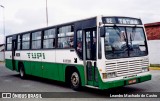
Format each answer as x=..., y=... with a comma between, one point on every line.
x=102, y=31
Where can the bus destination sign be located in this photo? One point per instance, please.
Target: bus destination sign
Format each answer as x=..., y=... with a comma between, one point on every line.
x=121, y=20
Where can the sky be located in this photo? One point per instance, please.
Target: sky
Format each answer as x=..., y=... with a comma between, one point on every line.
x=24, y=15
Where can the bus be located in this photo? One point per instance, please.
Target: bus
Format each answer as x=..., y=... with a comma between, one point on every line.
x=100, y=52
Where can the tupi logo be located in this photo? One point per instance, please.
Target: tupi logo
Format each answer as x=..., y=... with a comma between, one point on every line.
x=36, y=55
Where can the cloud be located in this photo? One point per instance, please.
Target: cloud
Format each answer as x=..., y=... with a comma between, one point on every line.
x=23, y=15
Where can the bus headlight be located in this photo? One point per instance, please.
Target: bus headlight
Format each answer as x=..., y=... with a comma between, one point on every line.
x=145, y=69
x=104, y=75
x=109, y=75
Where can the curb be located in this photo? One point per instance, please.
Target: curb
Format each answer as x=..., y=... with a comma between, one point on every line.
x=1, y=62
x=154, y=68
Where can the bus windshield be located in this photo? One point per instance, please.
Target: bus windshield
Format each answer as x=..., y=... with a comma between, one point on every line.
x=124, y=42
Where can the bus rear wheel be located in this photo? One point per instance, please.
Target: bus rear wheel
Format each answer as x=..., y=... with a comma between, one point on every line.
x=75, y=81
x=22, y=72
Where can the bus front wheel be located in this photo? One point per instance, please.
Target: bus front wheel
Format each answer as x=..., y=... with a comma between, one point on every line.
x=75, y=82
x=22, y=72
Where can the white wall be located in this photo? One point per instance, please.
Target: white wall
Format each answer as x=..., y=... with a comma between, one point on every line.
x=1, y=56
x=1, y=53
x=1, y=48
x=154, y=51
x=2, y=39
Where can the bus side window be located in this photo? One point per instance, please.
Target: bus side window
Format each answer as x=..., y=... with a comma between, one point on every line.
x=19, y=43
x=79, y=44
x=26, y=41
x=36, y=40
x=49, y=38
x=65, y=37
x=9, y=44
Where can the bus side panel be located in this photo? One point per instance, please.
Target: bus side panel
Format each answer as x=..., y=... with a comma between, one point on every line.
x=36, y=63
x=8, y=60
x=65, y=58
x=49, y=65
x=50, y=71
x=16, y=67
x=25, y=59
x=8, y=64
x=61, y=68
x=27, y=67
x=17, y=58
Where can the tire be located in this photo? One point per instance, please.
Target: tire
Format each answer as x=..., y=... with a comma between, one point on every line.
x=22, y=72
x=75, y=81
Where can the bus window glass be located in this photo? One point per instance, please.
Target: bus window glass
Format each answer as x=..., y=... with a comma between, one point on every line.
x=36, y=40
x=136, y=41
x=88, y=44
x=36, y=35
x=9, y=43
x=123, y=42
x=19, y=43
x=49, y=38
x=79, y=44
x=65, y=37
x=26, y=41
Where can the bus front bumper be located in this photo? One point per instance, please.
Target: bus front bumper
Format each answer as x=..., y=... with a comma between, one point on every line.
x=124, y=82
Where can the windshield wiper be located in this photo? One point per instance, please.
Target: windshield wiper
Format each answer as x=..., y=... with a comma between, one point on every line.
x=133, y=34
x=117, y=29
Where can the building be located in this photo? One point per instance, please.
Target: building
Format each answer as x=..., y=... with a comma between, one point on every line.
x=153, y=30
x=153, y=34
x=2, y=46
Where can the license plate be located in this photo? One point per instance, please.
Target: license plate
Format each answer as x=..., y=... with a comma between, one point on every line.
x=132, y=81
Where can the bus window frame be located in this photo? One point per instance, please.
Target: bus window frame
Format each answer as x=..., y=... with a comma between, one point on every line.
x=8, y=43
x=31, y=39
x=76, y=43
x=54, y=38
x=57, y=38
x=26, y=41
x=20, y=48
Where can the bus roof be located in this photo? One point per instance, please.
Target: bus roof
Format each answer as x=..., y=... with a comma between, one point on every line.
x=68, y=23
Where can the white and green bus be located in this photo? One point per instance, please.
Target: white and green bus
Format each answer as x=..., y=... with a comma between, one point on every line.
x=101, y=52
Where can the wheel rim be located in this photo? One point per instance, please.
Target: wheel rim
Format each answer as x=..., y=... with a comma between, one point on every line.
x=21, y=72
x=75, y=79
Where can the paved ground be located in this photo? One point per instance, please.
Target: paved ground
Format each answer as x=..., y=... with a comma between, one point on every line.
x=11, y=82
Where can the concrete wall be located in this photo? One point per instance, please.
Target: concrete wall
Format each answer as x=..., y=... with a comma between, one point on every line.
x=1, y=56
x=2, y=48
x=154, y=51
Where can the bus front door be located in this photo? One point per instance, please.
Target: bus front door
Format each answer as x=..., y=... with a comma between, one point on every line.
x=14, y=42
x=90, y=56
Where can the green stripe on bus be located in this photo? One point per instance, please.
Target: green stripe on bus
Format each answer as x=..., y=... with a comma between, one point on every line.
x=123, y=82
x=54, y=71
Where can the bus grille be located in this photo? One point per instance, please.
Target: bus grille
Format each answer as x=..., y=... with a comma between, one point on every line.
x=127, y=68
